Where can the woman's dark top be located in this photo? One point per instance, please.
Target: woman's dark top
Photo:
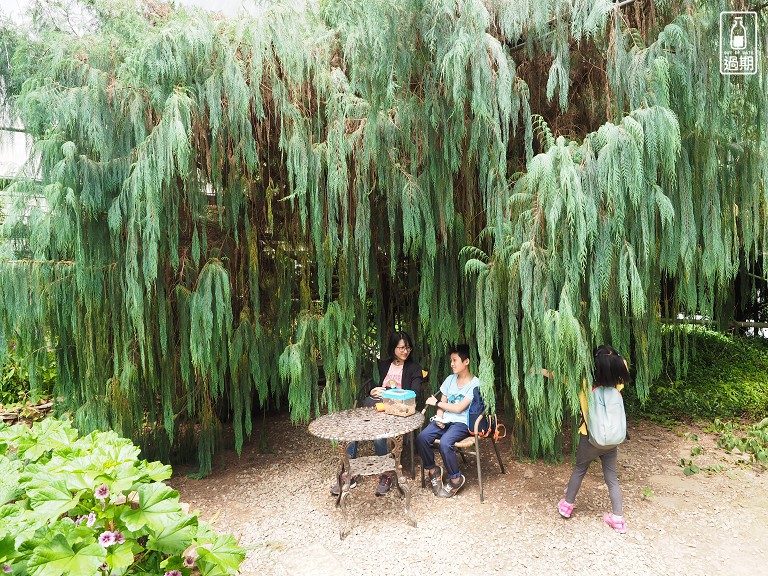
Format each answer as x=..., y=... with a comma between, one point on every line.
x=412, y=377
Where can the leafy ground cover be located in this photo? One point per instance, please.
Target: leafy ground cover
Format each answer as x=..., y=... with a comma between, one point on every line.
x=727, y=377
x=77, y=506
x=749, y=440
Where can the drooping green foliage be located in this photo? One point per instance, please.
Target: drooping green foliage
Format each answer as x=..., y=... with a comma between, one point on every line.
x=652, y=217
x=231, y=204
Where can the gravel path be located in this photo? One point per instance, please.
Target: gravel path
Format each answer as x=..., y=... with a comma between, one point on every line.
x=279, y=507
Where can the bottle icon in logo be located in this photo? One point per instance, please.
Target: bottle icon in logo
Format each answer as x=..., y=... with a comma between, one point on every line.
x=738, y=34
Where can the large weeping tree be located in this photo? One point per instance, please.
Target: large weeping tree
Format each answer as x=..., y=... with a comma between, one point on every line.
x=230, y=211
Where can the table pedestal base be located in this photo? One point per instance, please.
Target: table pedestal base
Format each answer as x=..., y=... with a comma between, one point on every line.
x=372, y=466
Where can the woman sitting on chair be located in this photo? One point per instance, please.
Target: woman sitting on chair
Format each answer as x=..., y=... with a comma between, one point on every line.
x=397, y=370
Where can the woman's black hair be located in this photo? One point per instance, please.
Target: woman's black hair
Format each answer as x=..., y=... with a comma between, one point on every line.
x=610, y=368
x=394, y=340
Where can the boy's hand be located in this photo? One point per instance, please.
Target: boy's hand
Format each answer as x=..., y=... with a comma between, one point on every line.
x=431, y=401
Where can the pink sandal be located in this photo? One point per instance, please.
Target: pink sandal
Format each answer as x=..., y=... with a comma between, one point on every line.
x=564, y=508
x=617, y=524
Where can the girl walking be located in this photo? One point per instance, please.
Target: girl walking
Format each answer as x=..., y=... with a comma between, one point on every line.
x=610, y=370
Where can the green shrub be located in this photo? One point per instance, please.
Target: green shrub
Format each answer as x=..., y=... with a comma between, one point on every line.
x=83, y=506
x=752, y=440
x=727, y=377
x=15, y=386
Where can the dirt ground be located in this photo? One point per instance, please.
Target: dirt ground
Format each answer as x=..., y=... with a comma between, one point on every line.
x=279, y=507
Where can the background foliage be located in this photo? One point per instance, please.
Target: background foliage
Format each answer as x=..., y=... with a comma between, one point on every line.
x=727, y=377
x=226, y=204
x=15, y=384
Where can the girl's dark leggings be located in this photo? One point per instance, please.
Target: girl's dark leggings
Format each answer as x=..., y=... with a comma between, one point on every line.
x=585, y=454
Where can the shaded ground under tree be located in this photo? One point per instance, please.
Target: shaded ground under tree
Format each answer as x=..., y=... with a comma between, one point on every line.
x=279, y=507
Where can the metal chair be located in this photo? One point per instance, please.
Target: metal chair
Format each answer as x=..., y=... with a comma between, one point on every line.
x=470, y=446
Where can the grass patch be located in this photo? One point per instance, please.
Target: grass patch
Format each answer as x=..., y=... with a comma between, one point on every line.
x=727, y=378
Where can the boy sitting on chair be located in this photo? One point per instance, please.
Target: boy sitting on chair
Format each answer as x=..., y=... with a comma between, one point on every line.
x=450, y=424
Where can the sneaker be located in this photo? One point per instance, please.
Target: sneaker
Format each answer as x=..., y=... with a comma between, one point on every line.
x=449, y=489
x=564, y=508
x=385, y=483
x=436, y=481
x=617, y=524
x=335, y=489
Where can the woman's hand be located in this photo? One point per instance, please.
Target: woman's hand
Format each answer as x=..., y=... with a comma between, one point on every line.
x=376, y=392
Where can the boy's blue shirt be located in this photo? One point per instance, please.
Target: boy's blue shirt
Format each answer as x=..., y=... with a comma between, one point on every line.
x=451, y=389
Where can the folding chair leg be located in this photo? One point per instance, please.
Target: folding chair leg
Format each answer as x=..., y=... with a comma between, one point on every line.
x=479, y=470
x=498, y=456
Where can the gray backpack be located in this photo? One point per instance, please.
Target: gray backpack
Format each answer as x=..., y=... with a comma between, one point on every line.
x=606, y=419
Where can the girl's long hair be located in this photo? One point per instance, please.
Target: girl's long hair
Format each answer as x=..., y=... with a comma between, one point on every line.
x=610, y=367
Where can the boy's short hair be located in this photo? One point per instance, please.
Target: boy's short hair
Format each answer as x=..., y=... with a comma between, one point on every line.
x=461, y=349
